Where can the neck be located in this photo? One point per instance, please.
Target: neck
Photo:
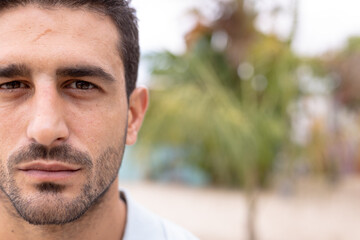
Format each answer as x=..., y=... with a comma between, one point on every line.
x=97, y=223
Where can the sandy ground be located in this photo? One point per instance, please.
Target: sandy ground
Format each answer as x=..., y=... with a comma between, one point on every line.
x=316, y=213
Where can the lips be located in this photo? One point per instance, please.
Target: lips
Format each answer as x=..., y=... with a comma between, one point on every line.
x=48, y=167
x=41, y=171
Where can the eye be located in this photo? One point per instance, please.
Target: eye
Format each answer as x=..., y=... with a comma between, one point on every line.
x=82, y=85
x=13, y=85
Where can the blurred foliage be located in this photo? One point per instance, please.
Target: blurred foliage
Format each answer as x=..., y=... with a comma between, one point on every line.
x=331, y=147
x=344, y=65
x=225, y=101
x=343, y=68
x=231, y=107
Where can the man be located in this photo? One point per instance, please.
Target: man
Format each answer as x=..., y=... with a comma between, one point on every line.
x=68, y=105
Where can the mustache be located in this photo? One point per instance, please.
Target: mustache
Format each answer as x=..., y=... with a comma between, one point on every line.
x=63, y=153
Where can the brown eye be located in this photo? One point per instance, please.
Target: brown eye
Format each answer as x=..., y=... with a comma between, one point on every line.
x=13, y=85
x=82, y=85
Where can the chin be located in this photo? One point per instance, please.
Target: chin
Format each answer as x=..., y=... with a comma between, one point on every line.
x=51, y=204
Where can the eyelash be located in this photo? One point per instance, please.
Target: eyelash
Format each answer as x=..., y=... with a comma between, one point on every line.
x=6, y=86
x=74, y=85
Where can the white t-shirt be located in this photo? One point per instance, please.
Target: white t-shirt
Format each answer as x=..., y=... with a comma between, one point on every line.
x=141, y=224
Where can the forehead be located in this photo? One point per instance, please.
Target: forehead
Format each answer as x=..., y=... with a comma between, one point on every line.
x=30, y=34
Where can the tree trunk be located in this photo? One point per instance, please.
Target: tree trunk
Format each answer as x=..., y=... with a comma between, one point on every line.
x=251, y=213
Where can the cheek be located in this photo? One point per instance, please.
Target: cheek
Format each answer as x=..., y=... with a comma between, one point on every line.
x=98, y=130
x=12, y=130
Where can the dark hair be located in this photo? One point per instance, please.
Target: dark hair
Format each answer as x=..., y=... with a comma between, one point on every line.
x=124, y=18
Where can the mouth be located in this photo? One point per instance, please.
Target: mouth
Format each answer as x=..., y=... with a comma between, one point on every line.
x=48, y=171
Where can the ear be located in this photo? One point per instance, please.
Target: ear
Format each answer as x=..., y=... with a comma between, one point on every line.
x=138, y=104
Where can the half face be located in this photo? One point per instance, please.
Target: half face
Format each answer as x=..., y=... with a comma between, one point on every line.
x=63, y=110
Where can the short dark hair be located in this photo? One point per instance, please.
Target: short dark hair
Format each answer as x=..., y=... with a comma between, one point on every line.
x=122, y=15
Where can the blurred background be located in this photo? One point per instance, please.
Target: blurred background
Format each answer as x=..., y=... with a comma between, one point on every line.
x=253, y=128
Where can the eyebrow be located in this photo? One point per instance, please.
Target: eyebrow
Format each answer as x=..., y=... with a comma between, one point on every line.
x=14, y=70
x=85, y=71
x=21, y=70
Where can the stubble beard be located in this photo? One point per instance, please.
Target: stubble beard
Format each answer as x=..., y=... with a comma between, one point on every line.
x=48, y=205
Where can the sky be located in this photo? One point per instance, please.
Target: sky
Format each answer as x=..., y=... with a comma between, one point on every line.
x=322, y=24
x=325, y=25
x=163, y=23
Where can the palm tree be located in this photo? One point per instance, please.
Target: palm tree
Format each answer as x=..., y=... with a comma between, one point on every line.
x=224, y=102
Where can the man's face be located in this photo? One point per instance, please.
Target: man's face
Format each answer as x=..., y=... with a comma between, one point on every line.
x=63, y=110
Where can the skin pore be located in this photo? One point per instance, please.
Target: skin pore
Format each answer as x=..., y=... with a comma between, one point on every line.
x=63, y=105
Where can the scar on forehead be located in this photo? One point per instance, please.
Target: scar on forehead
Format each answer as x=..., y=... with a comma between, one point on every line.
x=42, y=34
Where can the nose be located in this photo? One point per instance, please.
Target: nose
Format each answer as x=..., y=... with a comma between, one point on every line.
x=47, y=125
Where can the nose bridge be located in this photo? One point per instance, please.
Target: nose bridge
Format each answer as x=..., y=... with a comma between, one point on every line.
x=47, y=124
x=46, y=101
